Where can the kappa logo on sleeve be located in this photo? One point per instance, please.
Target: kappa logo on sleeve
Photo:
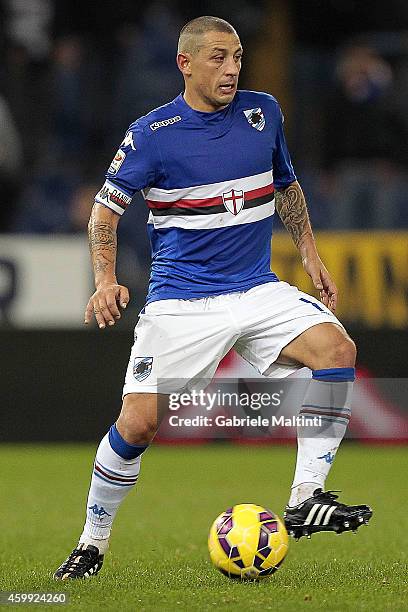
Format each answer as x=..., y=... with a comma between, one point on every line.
x=158, y=124
x=117, y=161
x=128, y=141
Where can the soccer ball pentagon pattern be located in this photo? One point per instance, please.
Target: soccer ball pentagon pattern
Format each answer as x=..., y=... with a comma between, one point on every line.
x=248, y=542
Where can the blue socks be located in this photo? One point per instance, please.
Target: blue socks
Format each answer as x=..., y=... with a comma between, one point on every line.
x=123, y=448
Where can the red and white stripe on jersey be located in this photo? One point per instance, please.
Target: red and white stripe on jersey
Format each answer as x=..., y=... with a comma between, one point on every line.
x=202, y=207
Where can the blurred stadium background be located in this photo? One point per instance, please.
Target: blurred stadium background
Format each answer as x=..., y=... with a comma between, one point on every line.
x=74, y=75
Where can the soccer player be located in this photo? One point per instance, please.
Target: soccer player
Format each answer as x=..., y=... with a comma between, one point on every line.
x=213, y=165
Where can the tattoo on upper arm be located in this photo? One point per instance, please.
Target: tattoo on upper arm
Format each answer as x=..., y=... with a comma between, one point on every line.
x=291, y=206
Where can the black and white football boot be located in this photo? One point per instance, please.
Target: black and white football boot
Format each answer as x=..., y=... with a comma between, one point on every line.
x=83, y=562
x=322, y=512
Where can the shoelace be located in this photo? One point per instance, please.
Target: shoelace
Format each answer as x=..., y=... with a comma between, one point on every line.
x=329, y=494
x=84, y=556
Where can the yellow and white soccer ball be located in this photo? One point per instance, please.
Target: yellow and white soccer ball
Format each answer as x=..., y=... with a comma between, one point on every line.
x=248, y=542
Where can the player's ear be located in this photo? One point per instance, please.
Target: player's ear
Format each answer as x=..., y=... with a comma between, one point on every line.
x=184, y=63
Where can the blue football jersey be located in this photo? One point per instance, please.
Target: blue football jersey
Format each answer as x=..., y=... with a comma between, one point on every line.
x=208, y=180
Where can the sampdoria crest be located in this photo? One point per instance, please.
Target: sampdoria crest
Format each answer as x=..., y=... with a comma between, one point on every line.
x=255, y=118
x=142, y=366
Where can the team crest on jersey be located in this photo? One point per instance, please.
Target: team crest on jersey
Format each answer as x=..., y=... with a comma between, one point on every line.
x=128, y=141
x=255, y=118
x=142, y=366
x=233, y=200
x=117, y=161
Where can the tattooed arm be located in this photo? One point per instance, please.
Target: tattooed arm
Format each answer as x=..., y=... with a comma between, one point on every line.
x=103, y=304
x=291, y=206
x=102, y=242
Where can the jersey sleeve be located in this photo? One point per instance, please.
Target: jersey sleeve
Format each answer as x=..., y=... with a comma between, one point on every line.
x=283, y=173
x=133, y=168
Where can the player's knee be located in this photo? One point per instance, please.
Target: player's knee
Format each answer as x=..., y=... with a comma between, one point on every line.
x=136, y=430
x=137, y=427
x=143, y=433
x=344, y=353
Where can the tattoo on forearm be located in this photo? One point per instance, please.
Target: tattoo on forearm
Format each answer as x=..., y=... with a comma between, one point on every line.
x=102, y=244
x=291, y=206
x=102, y=237
x=100, y=266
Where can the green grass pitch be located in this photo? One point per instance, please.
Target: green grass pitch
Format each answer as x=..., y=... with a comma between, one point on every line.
x=158, y=558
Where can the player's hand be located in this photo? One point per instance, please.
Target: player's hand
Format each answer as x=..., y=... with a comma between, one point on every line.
x=104, y=304
x=322, y=281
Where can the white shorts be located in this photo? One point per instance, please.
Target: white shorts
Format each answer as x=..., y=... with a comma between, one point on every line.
x=183, y=341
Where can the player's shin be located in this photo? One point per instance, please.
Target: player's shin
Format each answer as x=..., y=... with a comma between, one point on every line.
x=325, y=414
x=116, y=470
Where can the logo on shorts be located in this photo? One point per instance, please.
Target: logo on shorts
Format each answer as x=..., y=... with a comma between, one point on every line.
x=142, y=366
x=233, y=201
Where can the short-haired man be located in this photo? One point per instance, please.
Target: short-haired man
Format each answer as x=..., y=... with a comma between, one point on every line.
x=213, y=166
